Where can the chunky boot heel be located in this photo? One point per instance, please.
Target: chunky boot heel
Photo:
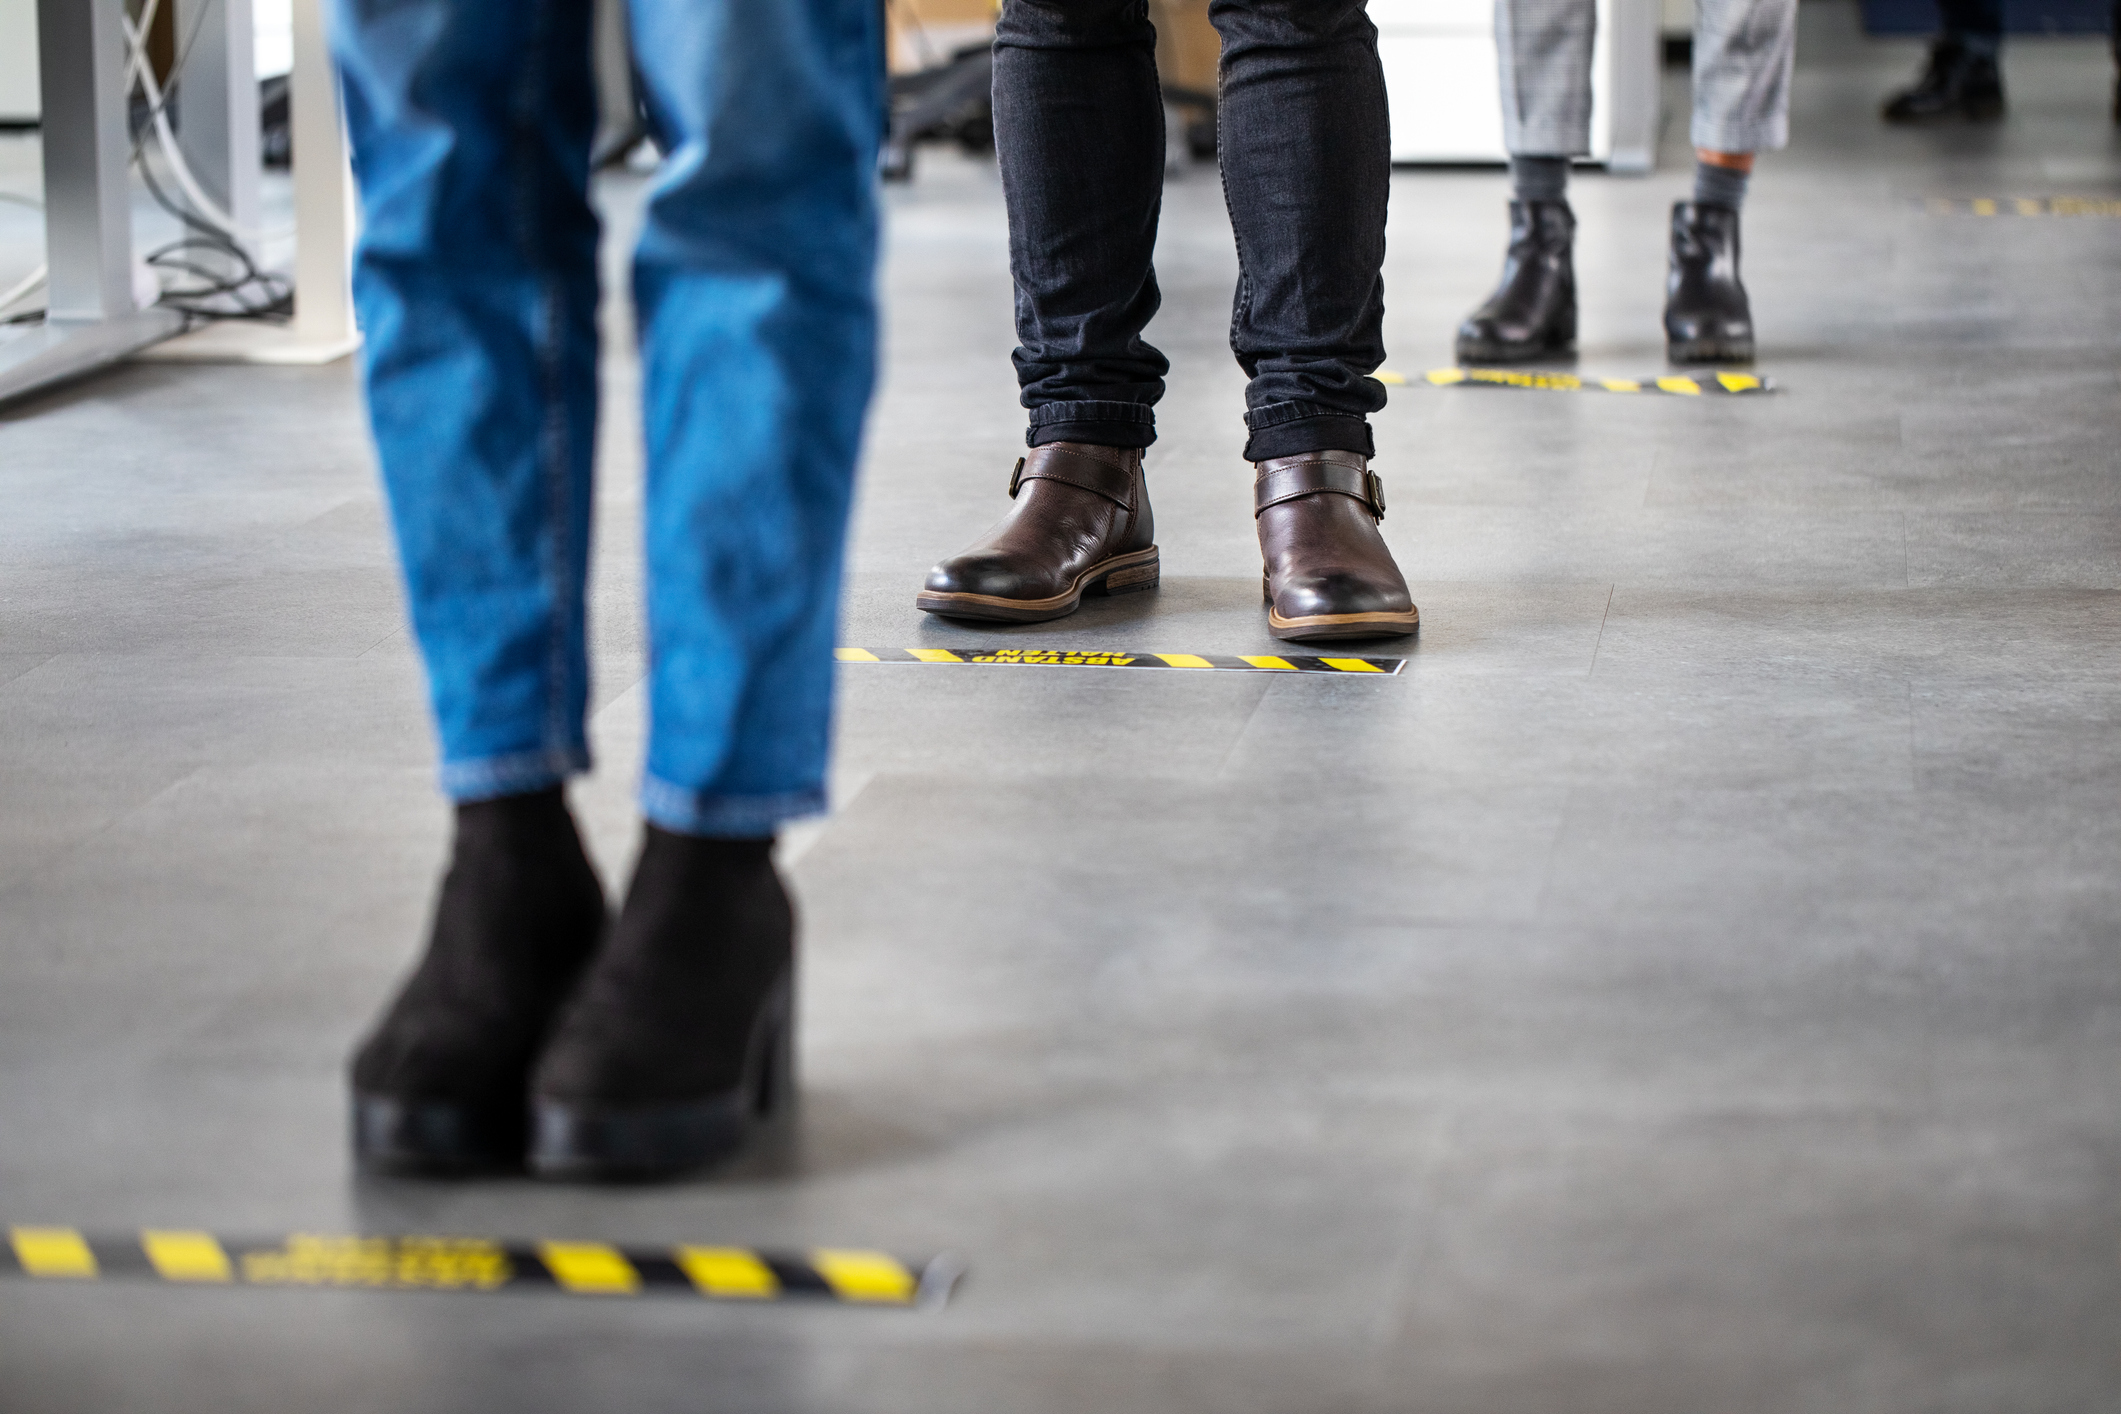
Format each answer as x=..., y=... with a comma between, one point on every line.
x=440, y=1085
x=1081, y=525
x=1129, y=574
x=1533, y=311
x=681, y=1036
x=586, y=1140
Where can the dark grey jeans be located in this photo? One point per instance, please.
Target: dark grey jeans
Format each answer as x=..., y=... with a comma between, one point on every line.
x=1306, y=159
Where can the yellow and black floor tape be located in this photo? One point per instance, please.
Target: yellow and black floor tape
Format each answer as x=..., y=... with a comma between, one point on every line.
x=471, y=1264
x=1684, y=385
x=2021, y=206
x=1090, y=658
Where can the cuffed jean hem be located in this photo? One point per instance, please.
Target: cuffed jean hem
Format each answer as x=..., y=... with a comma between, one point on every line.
x=1103, y=424
x=491, y=777
x=1336, y=432
x=725, y=817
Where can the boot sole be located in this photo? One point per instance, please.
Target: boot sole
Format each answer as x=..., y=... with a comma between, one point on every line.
x=1515, y=353
x=1318, y=628
x=1710, y=351
x=434, y=1138
x=587, y=1141
x=1122, y=574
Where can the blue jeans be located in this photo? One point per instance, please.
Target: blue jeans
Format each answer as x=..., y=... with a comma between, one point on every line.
x=476, y=285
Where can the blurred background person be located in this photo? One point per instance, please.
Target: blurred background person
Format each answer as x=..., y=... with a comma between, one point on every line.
x=1962, y=79
x=639, y=1047
x=1743, y=51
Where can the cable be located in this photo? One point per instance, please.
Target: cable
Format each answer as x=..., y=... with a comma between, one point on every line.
x=29, y=282
x=218, y=296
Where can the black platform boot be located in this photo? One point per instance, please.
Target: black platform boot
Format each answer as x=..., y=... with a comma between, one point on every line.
x=682, y=1031
x=1954, y=84
x=441, y=1085
x=1533, y=310
x=1707, y=318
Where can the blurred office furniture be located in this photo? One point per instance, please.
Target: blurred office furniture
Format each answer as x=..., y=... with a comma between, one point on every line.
x=18, y=63
x=1441, y=76
x=98, y=306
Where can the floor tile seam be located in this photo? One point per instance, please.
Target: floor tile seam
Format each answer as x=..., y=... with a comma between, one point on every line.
x=111, y=822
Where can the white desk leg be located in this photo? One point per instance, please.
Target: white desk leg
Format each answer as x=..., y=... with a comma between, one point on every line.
x=217, y=104
x=90, y=319
x=322, y=330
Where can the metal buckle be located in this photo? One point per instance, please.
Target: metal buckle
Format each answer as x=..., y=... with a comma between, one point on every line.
x=1016, y=478
x=1373, y=487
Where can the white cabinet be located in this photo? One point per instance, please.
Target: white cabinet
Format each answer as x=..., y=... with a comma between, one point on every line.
x=18, y=61
x=1443, y=85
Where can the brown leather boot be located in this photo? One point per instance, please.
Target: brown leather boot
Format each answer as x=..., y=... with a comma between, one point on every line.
x=1328, y=573
x=1081, y=525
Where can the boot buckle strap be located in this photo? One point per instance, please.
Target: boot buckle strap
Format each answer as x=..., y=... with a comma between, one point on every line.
x=1310, y=476
x=1092, y=474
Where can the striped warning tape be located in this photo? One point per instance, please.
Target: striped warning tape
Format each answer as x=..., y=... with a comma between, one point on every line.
x=1685, y=385
x=1090, y=658
x=851, y=1275
x=2021, y=206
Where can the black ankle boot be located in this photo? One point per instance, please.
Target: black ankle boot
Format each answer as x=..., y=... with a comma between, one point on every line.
x=1954, y=84
x=1533, y=310
x=1707, y=318
x=682, y=1030
x=442, y=1083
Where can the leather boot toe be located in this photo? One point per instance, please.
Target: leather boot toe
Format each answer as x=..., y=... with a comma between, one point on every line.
x=1081, y=524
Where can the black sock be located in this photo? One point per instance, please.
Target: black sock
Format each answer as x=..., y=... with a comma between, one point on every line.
x=1539, y=178
x=1719, y=186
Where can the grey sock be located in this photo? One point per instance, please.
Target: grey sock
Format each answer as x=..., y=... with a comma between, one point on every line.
x=1719, y=186
x=1539, y=178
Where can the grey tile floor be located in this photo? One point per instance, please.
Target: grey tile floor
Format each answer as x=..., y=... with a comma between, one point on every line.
x=1690, y=988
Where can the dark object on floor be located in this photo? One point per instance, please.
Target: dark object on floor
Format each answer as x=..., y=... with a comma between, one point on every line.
x=1533, y=310
x=276, y=144
x=1327, y=573
x=441, y=1085
x=1955, y=84
x=952, y=102
x=1926, y=17
x=1707, y=318
x=1081, y=525
x=682, y=1031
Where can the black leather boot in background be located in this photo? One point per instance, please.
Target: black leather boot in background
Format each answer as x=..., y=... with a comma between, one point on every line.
x=682, y=1030
x=1533, y=310
x=442, y=1083
x=1707, y=318
x=1954, y=84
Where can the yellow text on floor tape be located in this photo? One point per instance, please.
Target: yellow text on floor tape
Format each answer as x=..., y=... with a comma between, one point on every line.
x=859, y=1276
x=1684, y=385
x=1097, y=658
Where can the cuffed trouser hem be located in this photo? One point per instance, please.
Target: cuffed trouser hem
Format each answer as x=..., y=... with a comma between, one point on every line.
x=725, y=817
x=1102, y=424
x=1771, y=136
x=1334, y=432
x=519, y=774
